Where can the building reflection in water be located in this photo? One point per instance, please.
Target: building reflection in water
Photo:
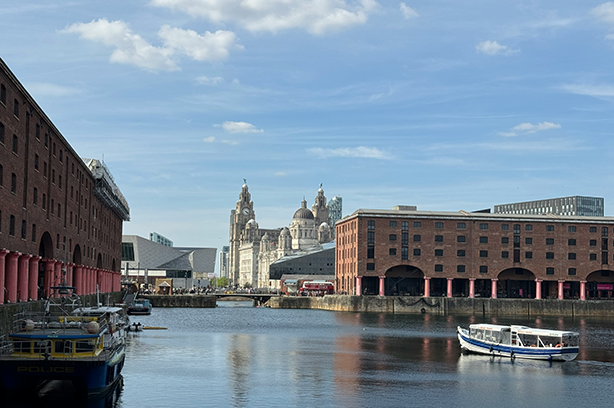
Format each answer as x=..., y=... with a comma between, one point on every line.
x=239, y=360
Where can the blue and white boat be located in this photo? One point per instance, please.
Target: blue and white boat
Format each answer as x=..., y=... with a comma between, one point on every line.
x=65, y=342
x=519, y=341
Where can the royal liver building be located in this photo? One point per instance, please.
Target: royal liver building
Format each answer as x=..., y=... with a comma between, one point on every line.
x=253, y=249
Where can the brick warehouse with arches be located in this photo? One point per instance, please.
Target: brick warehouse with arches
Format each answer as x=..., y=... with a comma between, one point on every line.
x=60, y=215
x=428, y=253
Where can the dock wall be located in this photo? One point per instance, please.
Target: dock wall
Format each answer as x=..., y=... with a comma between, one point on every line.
x=443, y=306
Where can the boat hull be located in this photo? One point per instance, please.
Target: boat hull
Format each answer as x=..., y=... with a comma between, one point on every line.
x=500, y=350
x=92, y=376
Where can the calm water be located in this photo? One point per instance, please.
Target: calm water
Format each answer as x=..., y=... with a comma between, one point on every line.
x=239, y=356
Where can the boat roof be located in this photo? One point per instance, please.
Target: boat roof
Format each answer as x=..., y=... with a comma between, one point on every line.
x=485, y=326
x=542, y=332
x=97, y=310
x=522, y=329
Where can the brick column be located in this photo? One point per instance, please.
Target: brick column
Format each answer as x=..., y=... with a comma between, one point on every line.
x=582, y=290
x=493, y=288
x=49, y=270
x=3, y=253
x=382, y=291
x=23, y=271
x=69, y=273
x=427, y=286
x=449, y=287
x=78, y=279
x=358, y=285
x=10, y=279
x=561, y=289
x=99, y=279
x=538, y=289
x=57, y=274
x=33, y=278
x=471, y=288
x=88, y=280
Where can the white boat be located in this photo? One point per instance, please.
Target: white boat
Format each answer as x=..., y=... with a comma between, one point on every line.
x=519, y=341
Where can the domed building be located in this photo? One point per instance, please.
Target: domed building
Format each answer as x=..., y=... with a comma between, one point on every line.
x=253, y=250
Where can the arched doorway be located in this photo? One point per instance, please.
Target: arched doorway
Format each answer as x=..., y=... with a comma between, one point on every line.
x=99, y=261
x=45, y=247
x=404, y=280
x=516, y=283
x=76, y=255
x=45, y=251
x=113, y=266
x=600, y=285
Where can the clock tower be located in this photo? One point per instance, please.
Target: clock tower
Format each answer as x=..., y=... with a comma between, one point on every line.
x=243, y=212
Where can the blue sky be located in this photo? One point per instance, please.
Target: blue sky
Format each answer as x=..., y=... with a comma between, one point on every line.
x=446, y=105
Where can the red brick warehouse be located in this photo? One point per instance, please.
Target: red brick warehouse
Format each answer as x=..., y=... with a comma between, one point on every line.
x=60, y=215
x=427, y=253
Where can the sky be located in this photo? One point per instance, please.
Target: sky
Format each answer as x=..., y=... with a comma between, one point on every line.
x=441, y=104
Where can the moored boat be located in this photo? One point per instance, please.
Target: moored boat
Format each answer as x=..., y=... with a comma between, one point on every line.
x=519, y=341
x=139, y=307
x=66, y=342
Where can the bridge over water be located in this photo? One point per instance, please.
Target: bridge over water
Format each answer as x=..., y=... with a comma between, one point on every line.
x=260, y=298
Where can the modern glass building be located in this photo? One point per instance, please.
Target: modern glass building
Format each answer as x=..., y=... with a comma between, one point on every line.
x=335, y=210
x=160, y=239
x=574, y=206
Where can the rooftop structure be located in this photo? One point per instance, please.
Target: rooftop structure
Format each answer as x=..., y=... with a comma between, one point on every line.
x=574, y=205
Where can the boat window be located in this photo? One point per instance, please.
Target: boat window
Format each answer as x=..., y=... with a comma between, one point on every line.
x=570, y=341
x=42, y=347
x=505, y=337
x=550, y=341
x=22, y=346
x=62, y=347
x=528, y=340
x=478, y=334
x=84, y=346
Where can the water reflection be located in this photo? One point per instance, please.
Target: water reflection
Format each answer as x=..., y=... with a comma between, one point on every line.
x=239, y=357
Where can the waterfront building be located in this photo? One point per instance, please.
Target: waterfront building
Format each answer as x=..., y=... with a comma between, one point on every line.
x=318, y=260
x=145, y=261
x=160, y=239
x=253, y=249
x=574, y=205
x=432, y=253
x=61, y=215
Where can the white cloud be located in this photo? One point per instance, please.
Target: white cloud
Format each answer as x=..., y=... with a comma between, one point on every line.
x=132, y=49
x=494, y=48
x=280, y=174
x=239, y=127
x=209, y=139
x=360, y=151
x=528, y=128
x=407, y=11
x=47, y=89
x=590, y=90
x=604, y=12
x=203, y=80
x=314, y=16
x=207, y=47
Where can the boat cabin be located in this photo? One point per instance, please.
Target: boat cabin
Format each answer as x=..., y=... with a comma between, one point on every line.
x=522, y=336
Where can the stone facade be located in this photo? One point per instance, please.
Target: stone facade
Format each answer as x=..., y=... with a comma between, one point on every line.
x=253, y=250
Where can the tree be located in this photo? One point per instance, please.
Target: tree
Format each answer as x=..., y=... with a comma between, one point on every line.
x=247, y=285
x=221, y=282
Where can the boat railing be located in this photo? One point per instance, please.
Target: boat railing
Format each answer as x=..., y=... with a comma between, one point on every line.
x=43, y=323
x=5, y=345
